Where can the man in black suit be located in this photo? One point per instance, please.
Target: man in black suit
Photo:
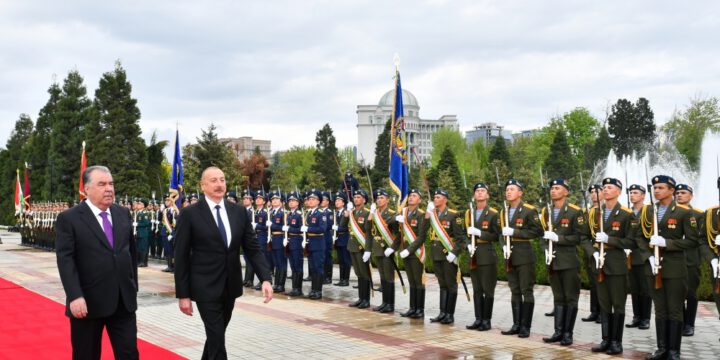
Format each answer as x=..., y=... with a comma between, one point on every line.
x=96, y=258
x=208, y=238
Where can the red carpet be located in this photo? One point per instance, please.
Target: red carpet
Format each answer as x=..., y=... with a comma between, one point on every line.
x=35, y=327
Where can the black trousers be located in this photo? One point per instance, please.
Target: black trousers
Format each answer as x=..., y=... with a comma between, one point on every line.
x=216, y=317
x=86, y=335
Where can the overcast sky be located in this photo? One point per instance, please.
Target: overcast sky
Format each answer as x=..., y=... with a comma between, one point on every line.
x=279, y=70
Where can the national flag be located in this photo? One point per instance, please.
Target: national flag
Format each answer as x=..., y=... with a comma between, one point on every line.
x=176, y=177
x=26, y=187
x=398, y=147
x=83, y=165
x=18, y=194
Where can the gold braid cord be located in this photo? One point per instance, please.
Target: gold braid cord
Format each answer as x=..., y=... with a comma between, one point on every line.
x=542, y=218
x=712, y=232
x=645, y=223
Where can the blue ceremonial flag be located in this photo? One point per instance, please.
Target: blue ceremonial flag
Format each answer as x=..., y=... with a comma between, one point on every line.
x=176, y=178
x=398, y=147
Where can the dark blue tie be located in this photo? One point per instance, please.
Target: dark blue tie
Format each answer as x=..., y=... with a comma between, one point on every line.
x=221, y=226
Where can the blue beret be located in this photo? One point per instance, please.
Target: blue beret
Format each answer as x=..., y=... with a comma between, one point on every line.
x=560, y=182
x=515, y=182
x=637, y=187
x=612, y=181
x=480, y=186
x=443, y=192
x=683, y=187
x=664, y=179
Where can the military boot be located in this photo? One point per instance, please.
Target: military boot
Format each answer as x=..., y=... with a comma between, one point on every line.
x=443, y=305
x=515, y=307
x=559, y=324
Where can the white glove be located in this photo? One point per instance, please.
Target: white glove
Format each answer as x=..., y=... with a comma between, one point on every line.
x=651, y=259
x=373, y=208
x=285, y=228
x=473, y=231
x=254, y=225
x=335, y=227
x=506, y=252
x=135, y=223
x=547, y=257
x=304, y=228
x=657, y=240
x=366, y=256
x=601, y=237
x=400, y=219
x=389, y=252
x=551, y=235
x=627, y=252
x=350, y=206
x=268, y=223
x=471, y=249
x=717, y=240
x=431, y=206
x=170, y=237
x=596, y=256
x=285, y=242
x=405, y=253
x=508, y=231
x=451, y=257
x=714, y=264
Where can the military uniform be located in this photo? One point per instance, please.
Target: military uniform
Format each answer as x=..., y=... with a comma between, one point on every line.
x=587, y=244
x=262, y=232
x=142, y=224
x=483, y=264
x=450, y=224
x=248, y=281
x=414, y=226
x=378, y=245
x=639, y=290
x=342, y=235
x=692, y=259
x=679, y=228
x=316, y=222
x=278, y=243
x=567, y=222
x=295, y=246
x=329, y=240
x=167, y=234
x=357, y=246
x=710, y=247
x=525, y=221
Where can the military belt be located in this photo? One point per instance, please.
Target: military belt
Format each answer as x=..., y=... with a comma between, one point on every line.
x=278, y=233
x=315, y=235
x=520, y=240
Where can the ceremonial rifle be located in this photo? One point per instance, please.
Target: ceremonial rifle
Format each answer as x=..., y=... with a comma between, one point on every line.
x=601, y=221
x=473, y=261
x=551, y=253
x=506, y=222
x=656, y=266
x=397, y=269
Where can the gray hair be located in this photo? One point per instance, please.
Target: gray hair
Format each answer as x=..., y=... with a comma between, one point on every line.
x=90, y=169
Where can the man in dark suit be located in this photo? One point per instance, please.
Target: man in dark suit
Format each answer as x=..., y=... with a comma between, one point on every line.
x=96, y=258
x=208, y=238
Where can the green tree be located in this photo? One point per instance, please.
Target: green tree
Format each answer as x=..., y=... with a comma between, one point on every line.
x=500, y=152
x=67, y=132
x=581, y=130
x=118, y=119
x=599, y=150
x=11, y=160
x=292, y=169
x=559, y=163
x=686, y=128
x=446, y=175
x=380, y=171
x=632, y=127
x=210, y=151
x=158, y=177
x=39, y=143
x=326, y=158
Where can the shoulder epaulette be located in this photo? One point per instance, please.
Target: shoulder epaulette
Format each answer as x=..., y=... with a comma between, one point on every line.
x=528, y=206
x=391, y=211
x=452, y=211
x=626, y=209
x=492, y=210
x=366, y=208
x=573, y=206
x=682, y=206
x=421, y=211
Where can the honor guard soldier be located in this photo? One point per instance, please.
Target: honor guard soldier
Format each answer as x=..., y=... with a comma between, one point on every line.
x=446, y=230
x=564, y=224
x=279, y=238
x=385, y=241
x=683, y=196
x=342, y=235
x=247, y=202
x=614, y=227
x=359, y=225
x=412, y=222
x=141, y=223
x=667, y=232
x=523, y=225
x=294, y=224
x=639, y=290
x=483, y=229
x=327, y=255
x=194, y=198
x=587, y=243
x=260, y=225
x=710, y=249
x=232, y=197
x=314, y=228
x=167, y=232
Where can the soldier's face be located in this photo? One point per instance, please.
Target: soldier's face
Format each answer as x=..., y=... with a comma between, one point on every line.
x=513, y=192
x=683, y=197
x=439, y=201
x=339, y=204
x=259, y=202
x=101, y=189
x=595, y=195
x=247, y=202
x=558, y=192
x=381, y=201
x=414, y=199
x=325, y=202
x=312, y=202
x=637, y=196
x=293, y=204
x=610, y=192
x=481, y=194
x=358, y=200
x=275, y=202
x=663, y=191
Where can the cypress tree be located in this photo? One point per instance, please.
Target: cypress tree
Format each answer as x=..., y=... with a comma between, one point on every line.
x=39, y=144
x=500, y=152
x=326, y=158
x=380, y=171
x=560, y=163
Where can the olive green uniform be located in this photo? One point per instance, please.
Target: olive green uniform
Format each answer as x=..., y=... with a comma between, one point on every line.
x=356, y=249
x=679, y=227
x=414, y=268
x=385, y=264
x=521, y=276
x=708, y=249
x=445, y=271
x=483, y=265
x=692, y=258
x=587, y=244
x=639, y=289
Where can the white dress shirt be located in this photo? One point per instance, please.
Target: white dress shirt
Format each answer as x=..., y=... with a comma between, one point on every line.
x=96, y=211
x=223, y=215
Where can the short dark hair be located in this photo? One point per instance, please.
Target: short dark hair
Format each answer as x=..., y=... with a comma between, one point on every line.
x=90, y=169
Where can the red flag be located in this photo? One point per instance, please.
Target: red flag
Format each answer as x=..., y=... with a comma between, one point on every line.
x=18, y=193
x=26, y=187
x=83, y=165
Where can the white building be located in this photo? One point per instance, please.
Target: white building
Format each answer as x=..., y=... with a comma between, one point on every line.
x=372, y=118
x=488, y=133
x=244, y=147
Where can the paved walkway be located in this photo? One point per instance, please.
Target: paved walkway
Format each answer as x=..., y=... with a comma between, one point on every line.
x=300, y=329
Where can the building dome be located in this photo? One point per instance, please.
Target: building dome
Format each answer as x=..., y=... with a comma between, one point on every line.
x=389, y=99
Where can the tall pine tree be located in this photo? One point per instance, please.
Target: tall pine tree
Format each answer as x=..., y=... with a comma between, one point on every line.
x=158, y=179
x=39, y=144
x=326, y=158
x=500, y=152
x=11, y=160
x=632, y=127
x=67, y=133
x=120, y=133
x=381, y=170
x=599, y=150
x=560, y=163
